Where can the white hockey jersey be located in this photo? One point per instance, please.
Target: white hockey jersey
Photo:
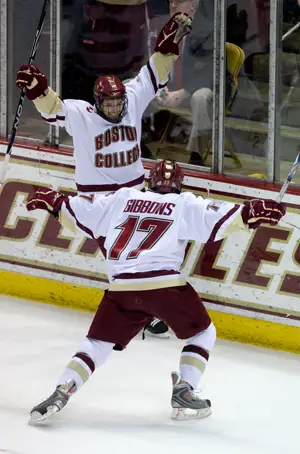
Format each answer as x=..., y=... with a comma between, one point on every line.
x=147, y=233
x=107, y=155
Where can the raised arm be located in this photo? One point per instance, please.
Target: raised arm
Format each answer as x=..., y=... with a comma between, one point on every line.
x=48, y=103
x=155, y=74
x=204, y=220
x=90, y=216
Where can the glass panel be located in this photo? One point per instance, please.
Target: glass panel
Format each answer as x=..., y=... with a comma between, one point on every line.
x=101, y=38
x=290, y=87
x=23, y=21
x=247, y=86
x=105, y=38
x=188, y=100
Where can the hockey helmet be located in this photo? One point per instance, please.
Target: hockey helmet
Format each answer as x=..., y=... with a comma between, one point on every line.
x=110, y=98
x=166, y=177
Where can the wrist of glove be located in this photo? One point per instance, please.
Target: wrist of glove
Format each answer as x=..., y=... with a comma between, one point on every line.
x=178, y=26
x=33, y=80
x=256, y=212
x=46, y=199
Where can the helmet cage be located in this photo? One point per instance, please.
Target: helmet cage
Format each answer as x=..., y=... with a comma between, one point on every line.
x=99, y=106
x=110, y=88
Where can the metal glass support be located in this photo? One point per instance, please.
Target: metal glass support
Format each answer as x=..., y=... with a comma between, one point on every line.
x=274, y=138
x=219, y=86
x=3, y=68
x=55, y=60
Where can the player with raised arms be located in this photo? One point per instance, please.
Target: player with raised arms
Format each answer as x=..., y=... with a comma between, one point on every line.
x=107, y=135
x=146, y=234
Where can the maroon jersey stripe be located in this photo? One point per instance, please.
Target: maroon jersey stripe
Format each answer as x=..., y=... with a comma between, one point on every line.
x=109, y=187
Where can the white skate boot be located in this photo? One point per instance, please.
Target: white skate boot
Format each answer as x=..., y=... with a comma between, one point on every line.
x=185, y=402
x=53, y=404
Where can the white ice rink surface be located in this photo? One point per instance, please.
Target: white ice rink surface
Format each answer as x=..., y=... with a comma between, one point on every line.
x=124, y=407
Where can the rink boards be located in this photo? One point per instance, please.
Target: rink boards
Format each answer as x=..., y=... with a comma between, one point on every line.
x=250, y=282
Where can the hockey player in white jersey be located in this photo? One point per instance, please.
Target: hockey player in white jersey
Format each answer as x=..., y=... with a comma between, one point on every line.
x=107, y=135
x=145, y=237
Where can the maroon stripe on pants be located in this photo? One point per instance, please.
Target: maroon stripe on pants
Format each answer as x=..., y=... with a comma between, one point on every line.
x=87, y=360
x=195, y=349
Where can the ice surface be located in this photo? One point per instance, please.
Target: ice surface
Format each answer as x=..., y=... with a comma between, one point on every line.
x=124, y=408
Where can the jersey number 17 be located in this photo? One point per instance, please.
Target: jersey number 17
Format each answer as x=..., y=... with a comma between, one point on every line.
x=155, y=229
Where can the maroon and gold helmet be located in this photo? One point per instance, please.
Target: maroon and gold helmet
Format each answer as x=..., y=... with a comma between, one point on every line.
x=166, y=177
x=110, y=98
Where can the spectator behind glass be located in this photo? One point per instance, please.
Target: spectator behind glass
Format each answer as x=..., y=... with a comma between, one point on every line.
x=291, y=11
x=103, y=37
x=198, y=73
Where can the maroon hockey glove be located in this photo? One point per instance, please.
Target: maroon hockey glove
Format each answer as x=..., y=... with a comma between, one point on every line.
x=178, y=26
x=46, y=199
x=31, y=78
x=258, y=211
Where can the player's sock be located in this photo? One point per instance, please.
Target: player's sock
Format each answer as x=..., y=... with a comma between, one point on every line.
x=195, y=355
x=193, y=361
x=91, y=353
x=79, y=369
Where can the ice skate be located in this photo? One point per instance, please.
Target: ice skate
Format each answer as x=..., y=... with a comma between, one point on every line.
x=186, y=403
x=158, y=328
x=53, y=404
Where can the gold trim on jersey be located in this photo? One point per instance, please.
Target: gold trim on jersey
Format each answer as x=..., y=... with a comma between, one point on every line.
x=163, y=64
x=149, y=285
x=49, y=104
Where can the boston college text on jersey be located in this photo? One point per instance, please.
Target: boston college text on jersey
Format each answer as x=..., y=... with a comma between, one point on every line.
x=122, y=133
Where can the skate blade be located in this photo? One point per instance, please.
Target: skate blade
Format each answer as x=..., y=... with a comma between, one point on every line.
x=37, y=418
x=181, y=414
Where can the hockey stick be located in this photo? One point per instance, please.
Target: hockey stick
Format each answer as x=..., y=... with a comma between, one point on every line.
x=286, y=185
x=22, y=95
x=288, y=179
